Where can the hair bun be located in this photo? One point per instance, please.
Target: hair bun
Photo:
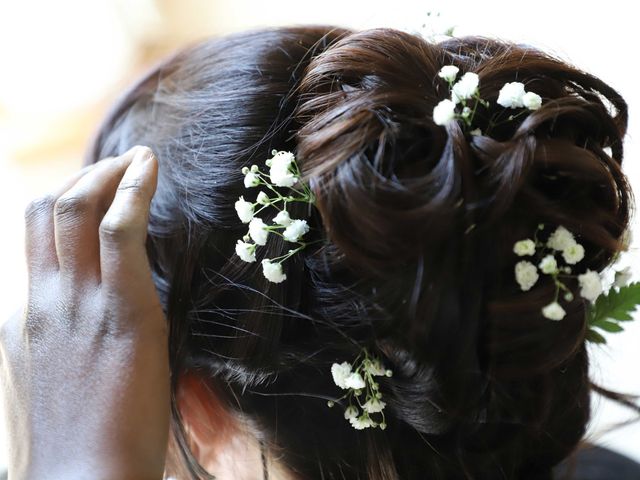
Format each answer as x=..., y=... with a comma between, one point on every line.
x=392, y=185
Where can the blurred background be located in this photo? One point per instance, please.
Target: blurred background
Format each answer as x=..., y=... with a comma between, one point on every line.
x=63, y=62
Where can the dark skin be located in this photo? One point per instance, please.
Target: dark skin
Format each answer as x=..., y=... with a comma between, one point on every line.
x=85, y=366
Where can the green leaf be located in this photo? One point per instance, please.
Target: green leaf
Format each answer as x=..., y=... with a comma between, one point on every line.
x=610, y=309
x=617, y=304
x=595, y=337
x=608, y=326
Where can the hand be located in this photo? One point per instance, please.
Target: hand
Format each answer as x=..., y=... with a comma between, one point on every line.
x=85, y=368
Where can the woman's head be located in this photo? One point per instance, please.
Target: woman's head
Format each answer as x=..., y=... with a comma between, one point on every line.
x=415, y=225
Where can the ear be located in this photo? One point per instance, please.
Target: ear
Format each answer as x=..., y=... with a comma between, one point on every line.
x=216, y=437
x=202, y=415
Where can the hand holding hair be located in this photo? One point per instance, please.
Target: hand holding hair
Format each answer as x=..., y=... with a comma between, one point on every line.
x=85, y=367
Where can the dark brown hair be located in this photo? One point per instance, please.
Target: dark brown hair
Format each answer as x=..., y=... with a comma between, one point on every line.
x=416, y=224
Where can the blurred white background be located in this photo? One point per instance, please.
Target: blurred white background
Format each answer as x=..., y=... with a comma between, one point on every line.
x=63, y=62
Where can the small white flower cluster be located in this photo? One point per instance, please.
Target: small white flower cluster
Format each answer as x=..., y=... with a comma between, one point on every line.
x=461, y=91
x=563, y=241
x=512, y=95
x=359, y=382
x=283, y=172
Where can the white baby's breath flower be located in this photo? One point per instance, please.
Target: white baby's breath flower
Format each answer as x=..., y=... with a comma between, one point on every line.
x=280, y=170
x=246, y=251
x=263, y=198
x=295, y=230
x=465, y=88
x=355, y=381
x=360, y=384
x=524, y=247
x=548, y=264
x=526, y=274
x=374, y=367
x=561, y=239
x=554, y=311
x=444, y=112
x=373, y=405
x=351, y=412
x=511, y=95
x=573, y=253
x=273, y=271
x=251, y=179
x=286, y=158
x=476, y=132
x=244, y=210
x=258, y=231
x=282, y=218
x=340, y=372
x=449, y=72
x=532, y=101
x=362, y=422
x=622, y=277
x=590, y=285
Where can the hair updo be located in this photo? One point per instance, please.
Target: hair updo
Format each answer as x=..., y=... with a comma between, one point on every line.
x=416, y=224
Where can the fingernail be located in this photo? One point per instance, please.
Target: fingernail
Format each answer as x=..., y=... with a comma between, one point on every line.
x=139, y=166
x=143, y=154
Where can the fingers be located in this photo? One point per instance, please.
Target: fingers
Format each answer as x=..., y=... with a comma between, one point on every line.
x=77, y=216
x=68, y=230
x=123, y=229
x=39, y=229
